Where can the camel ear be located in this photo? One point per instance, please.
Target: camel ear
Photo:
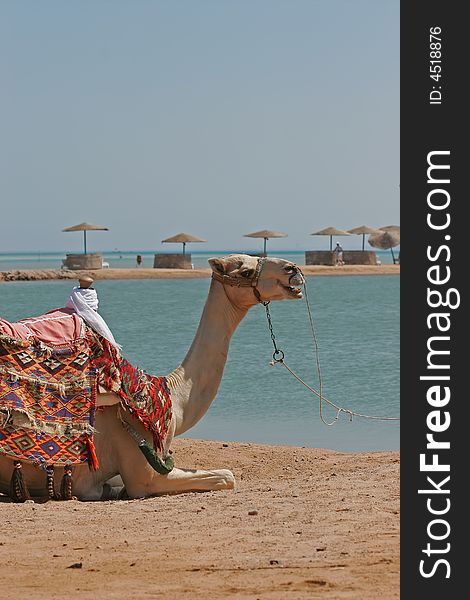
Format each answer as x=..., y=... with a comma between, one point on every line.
x=218, y=265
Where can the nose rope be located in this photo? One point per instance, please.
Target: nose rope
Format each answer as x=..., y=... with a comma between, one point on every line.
x=278, y=358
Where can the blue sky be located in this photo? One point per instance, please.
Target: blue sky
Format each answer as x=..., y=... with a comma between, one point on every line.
x=215, y=117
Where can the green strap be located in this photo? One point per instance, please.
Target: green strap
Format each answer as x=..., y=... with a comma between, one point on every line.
x=162, y=466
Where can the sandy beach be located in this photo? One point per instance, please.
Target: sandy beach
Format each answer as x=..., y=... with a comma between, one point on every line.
x=303, y=523
x=138, y=273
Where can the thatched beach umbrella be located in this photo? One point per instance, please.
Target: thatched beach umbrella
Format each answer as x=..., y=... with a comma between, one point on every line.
x=387, y=239
x=331, y=231
x=183, y=238
x=363, y=230
x=266, y=234
x=86, y=227
x=394, y=228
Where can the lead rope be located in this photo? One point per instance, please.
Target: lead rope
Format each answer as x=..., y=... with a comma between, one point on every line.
x=278, y=358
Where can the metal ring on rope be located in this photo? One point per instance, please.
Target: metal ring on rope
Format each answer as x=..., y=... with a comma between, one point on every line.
x=278, y=353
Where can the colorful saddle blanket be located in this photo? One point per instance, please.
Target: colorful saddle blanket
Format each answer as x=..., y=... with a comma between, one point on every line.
x=50, y=370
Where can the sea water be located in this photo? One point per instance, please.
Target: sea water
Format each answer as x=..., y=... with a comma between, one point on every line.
x=357, y=327
x=126, y=260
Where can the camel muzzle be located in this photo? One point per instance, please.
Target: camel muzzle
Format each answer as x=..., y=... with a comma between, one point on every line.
x=296, y=279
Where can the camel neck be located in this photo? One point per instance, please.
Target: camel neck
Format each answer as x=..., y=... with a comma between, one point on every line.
x=194, y=384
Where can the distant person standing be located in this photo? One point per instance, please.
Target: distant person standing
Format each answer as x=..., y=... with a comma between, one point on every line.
x=139, y=260
x=338, y=252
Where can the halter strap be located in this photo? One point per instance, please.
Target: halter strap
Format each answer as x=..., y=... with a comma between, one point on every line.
x=240, y=281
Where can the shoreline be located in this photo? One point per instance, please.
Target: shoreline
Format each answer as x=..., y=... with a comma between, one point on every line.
x=140, y=273
x=302, y=522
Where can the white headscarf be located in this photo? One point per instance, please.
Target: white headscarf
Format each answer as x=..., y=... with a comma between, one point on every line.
x=84, y=301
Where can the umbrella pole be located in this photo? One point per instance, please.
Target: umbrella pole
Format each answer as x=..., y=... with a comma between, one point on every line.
x=184, y=248
x=393, y=255
x=265, y=246
x=84, y=240
x=331, y=243
x=363, y=240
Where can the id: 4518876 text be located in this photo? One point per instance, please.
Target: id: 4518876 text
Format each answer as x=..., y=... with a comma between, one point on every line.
x=435, y=64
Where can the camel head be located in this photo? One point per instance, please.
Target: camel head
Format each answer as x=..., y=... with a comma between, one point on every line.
x=249, y=279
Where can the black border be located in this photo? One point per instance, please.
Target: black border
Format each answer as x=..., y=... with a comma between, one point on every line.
x=426, y=128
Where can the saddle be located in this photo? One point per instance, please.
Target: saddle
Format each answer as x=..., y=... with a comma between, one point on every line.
x=51, y=368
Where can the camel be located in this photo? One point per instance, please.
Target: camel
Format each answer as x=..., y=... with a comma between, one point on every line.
x=239, y=282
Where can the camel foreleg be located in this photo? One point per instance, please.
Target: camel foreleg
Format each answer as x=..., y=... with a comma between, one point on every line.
x=179, y=481
x=141, y=481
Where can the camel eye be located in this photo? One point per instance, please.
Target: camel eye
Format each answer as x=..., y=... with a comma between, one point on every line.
x=290, y=269
x=247, y=273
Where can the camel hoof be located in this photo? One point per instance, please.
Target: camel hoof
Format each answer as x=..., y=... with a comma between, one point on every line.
x=228, y=479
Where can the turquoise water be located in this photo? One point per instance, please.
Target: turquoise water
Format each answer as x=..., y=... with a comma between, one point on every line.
x=127, y=259
x=357, y=324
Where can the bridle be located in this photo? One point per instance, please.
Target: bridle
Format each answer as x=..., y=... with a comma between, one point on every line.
x=243, y=282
